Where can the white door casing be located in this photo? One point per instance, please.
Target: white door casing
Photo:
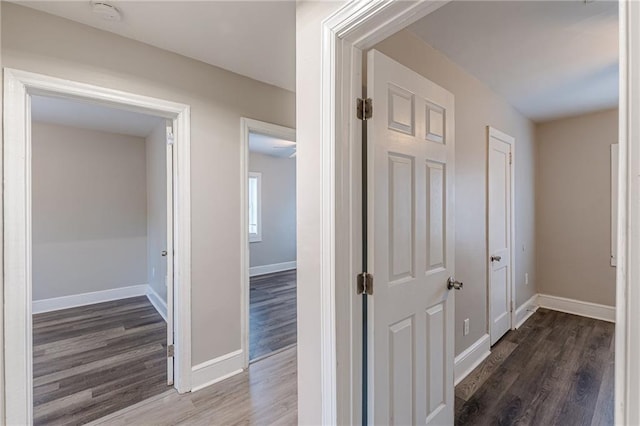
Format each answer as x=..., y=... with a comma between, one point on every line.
x=18, y=88
x=500, y=232
x=411, y=246
x=169, y=249
x=248, y=126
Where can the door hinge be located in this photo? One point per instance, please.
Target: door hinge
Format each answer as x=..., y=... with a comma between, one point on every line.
x=170, y=137
x=365, y=283
x=510, y=158
x=365, y=108
x=170, y=351
x=512, y=306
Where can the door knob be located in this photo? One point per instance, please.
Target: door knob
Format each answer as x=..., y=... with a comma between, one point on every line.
x=496, y=258
x=453, y=284
x=164, y=253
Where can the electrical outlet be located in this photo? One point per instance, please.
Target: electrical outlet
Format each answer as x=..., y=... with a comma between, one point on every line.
x=466, y=327
x=526, y=278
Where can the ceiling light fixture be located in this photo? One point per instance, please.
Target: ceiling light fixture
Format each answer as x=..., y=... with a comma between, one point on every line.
x=107, y=11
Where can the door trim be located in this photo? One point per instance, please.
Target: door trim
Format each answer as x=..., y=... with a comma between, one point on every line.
x=627, y=338
x=355, y=27
x=492, y=132
x=18, y=88
x=247, y=126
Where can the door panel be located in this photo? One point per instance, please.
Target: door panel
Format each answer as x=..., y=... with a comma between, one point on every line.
x=436, y=362
x=401, y=219
x=401, y=371
x=436, y=188
x=411, y=247
x=499, y=234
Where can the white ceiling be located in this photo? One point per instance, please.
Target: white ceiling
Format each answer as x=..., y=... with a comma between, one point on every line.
x=269, y=145
x=252, y=38
x=549, y=59
x=90, y=116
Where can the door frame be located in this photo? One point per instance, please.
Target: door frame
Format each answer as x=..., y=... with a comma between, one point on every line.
x=247, y=126
x=492, y=132
x=627, y=338
x=18, y=88
x=344, y=35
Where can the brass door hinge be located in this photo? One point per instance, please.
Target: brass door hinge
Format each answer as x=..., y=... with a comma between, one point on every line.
x=365, y=109
x=365, y=283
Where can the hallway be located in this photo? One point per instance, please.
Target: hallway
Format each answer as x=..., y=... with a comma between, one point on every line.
x=557, y=369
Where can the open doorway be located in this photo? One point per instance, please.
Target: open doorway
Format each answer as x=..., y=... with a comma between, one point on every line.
x=101, y=232
x=270, y=290
x=95, y=308
x=533, y=324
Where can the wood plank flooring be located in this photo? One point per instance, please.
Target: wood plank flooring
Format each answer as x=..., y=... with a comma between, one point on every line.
x=557, y=369
x=265, y=394
x=97, y=359
x=273, y=313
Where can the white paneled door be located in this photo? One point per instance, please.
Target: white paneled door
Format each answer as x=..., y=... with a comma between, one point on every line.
x=499, y=232
x=411, y=246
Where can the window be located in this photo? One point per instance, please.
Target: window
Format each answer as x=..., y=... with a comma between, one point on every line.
x=255, y=225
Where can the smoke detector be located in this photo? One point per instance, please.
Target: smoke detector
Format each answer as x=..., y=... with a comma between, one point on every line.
x=107, y=11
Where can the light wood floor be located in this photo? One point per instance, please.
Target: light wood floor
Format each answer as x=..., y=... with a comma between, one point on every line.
x=557, y=369
x=273, y=312
x=265, y=394
x=94, y=360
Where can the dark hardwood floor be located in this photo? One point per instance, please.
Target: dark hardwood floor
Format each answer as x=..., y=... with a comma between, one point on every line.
x=272, y=322
x=557, y=369
x=94, y=360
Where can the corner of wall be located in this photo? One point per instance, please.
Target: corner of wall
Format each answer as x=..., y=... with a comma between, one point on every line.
x=215, y=370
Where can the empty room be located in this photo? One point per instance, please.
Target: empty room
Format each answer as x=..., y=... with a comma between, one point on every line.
x=99, y=230
x=272, y=239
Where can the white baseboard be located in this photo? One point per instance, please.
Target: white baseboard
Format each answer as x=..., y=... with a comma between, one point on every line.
x=269, y=269
x=577, y=307
x=157, y=302
x=525, y=310
x=471, y=357
x=216, y=370
x=66, y=302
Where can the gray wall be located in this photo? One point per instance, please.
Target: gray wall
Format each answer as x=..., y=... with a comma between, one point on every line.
x=38, y=42
x=89, y=211
x=278, y=243
x=573, y=208
x=156, y=150
x=476, y=107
